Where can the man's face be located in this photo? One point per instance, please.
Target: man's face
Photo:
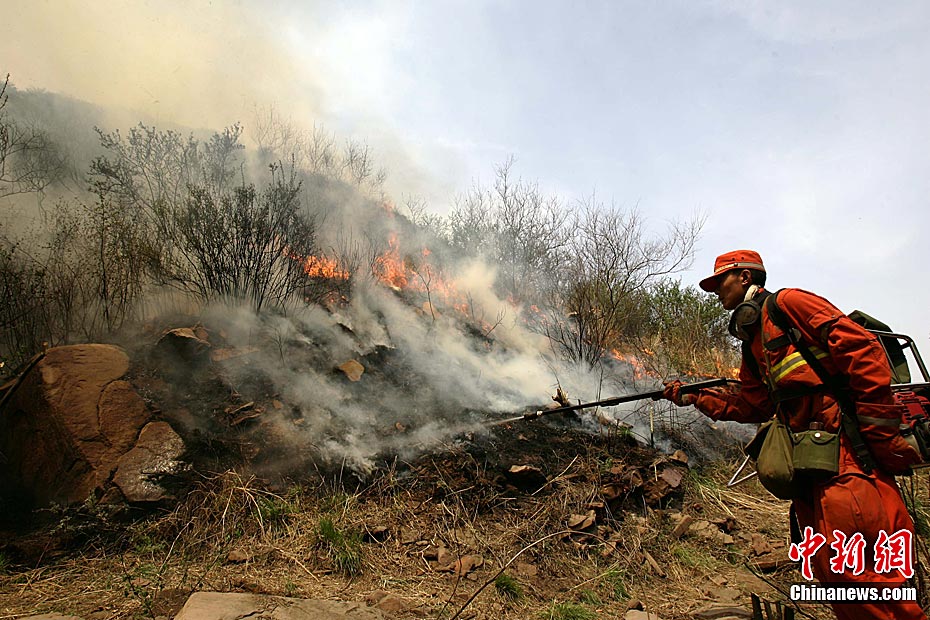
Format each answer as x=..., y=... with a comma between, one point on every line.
x=731, y=288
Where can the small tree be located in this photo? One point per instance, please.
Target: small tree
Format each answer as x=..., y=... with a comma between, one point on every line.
x=686, y=329
x=517, y=228
x=244, y=245
x=612, y=261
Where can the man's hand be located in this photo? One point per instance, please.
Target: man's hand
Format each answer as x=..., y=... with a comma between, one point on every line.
x=673, y=393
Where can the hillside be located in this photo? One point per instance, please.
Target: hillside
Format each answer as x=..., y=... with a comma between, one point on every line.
x=560, y=517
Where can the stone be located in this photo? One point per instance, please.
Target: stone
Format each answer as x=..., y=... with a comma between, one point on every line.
x=386, y=601
x=169, y=601
x=638, y=614
x=717, y=612
x=673, y=476
x=581, y=522
x=238, y=556
x=352, y=369
x=682, y=527
x=760, y=545
x=525, y=477
x=467, y=564
x=51, y=616
x=157, y=452
x=232, y=605
x=524, y=569
x=723, y=594
x=67, y=425
x=184, y=343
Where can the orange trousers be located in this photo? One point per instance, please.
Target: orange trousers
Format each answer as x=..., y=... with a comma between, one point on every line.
x=854, y=502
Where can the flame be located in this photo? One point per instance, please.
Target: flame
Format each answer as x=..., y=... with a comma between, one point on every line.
x=412, y=273
x=389, y=268
x=323, y=267
x=416, y=273
x=639, y=369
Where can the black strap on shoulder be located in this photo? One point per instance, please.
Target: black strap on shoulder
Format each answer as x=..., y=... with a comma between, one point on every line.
x=835, y=385
x=750, y=360
x=746, y=348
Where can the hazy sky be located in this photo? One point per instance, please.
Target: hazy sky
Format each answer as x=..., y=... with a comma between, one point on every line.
x=799, y=129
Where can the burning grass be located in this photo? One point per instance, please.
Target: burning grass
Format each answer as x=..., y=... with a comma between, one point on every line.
x=448, y=534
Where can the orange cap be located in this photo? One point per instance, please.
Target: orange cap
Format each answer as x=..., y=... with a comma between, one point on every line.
x=737, y=259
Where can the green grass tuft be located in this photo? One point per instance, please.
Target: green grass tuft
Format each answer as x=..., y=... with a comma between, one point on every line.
x=272, y=510
x=568, y=611
x=613, y=579
x=693, y=558
x=344, y=548
x=508, y=587
x=589, y=597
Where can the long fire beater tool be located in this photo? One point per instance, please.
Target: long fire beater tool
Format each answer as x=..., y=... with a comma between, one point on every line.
x=617, y=400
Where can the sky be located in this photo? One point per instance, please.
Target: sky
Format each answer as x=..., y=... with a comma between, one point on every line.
x=798, y=129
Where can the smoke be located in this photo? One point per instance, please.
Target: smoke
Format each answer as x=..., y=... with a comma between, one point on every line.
x=177, y=64
x=429, y=377
x=432, y=370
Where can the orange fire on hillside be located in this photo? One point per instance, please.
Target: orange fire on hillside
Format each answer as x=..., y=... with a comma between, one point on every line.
x=639, y=369
x=400, y=272
x=323, y=267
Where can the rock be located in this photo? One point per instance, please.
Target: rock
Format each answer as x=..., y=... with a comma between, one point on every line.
x=376, y=533
x=525, y=477
x=67, y=426
x=467, y=564
x=723, y=594
x=638, y=614
x=524, y=569
x=238, y=556
x=386, y=601
x=157, y=452
x=717, y=612
x=223, y=606
x=352, y=369
x=710, y=532
x=656, y=488
x=183, y=343
x=51, y=616
x=581, y=522
x=681, y=528
x=771, y=561
x=761, y=546
x=673, y=476
x=169, y=601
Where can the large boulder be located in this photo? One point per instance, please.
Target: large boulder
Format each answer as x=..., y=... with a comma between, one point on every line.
x=70, y=422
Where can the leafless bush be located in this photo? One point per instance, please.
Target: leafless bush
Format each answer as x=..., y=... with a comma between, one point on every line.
x=243, y=245
x=30, y=160
x=44, y=286
x=612, y=260
x=516, y=227
x=314, y=151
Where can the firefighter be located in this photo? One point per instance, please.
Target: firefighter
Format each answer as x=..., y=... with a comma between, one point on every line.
x=851, y=513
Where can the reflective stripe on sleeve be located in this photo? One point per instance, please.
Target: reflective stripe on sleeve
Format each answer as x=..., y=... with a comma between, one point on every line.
x=781, y=369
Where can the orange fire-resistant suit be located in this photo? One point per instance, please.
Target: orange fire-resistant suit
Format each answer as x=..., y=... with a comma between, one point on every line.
x=851, y=501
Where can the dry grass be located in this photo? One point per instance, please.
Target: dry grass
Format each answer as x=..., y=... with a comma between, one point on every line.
x=232, y=535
